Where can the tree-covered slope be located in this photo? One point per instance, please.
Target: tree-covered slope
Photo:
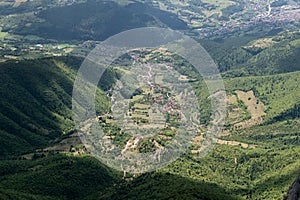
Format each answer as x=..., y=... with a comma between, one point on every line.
x=280, y=93
x=55, y=177
x=281, y=57
x=256, y=54
x=33, y=107
x=36, y=112
x=90, y=20
x=294, y=190
x=36, y=103
x=169, y=186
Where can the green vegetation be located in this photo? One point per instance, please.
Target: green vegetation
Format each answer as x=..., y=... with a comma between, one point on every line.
x=232, y=9
x=259, y=161
x=169, y=186
x=60, y=23
x=246, y=114
x=38, y=113
x=55, y=177
x=36, y=103
x=252, y=55
x=279, y=92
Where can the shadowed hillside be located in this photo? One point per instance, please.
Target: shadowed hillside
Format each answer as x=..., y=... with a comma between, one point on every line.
x=97, y=20
x=55, y=177
x=294, y=190
x=35, y=103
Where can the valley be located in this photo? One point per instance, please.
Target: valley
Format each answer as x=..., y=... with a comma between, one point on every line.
x=271, y=158
x=256, y=46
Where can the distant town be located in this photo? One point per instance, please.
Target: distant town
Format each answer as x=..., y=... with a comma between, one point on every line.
x=274, y=16
x=204, y=18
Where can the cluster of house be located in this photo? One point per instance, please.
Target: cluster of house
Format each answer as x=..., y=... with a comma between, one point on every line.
x=262, y=14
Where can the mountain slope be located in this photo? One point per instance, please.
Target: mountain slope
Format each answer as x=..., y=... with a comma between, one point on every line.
x=279, y=92
x=256, y=54
x=93, y=20
x=294, y=190
x=55, y=177
x=282, y=57
x=35, y=103
x=36, y=113
x=168, y=186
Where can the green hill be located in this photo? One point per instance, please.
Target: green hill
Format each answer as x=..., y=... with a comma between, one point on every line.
x=168, y=186
x=90, y=20
x=36, y=113
x=34, y=109
x=55, y=177
x=257, y=161
x=280, y=93
x=256, y=54
x=35, y=103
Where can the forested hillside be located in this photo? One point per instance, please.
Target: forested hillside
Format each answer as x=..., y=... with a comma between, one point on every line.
x=263, y=165
x=256, y=54
x=255, y=44
x=81, y=20
x=36, y=103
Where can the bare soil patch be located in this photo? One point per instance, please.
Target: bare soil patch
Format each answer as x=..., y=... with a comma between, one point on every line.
x=254, y=106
